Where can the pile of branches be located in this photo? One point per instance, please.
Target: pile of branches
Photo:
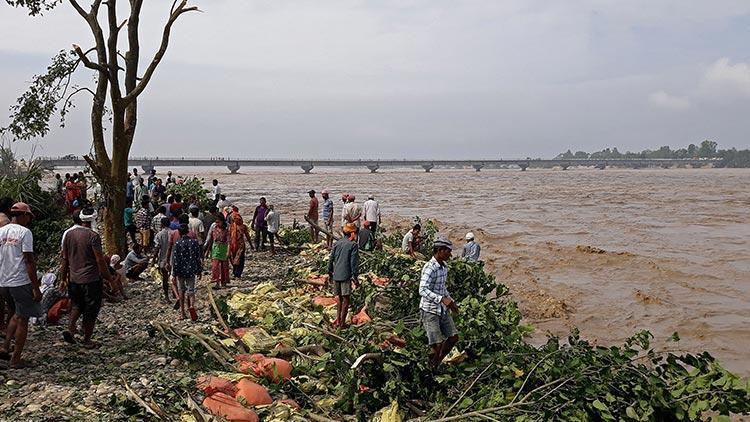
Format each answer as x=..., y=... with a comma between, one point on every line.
x=380, y=366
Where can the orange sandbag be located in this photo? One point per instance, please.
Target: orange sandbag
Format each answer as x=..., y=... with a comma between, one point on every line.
x=228, y=407
x=326, y=301
x=247, y=357
x=273, y=369
x=254, y=394
x=57, y=310
x=240, y=332
x=380, y=281
x=210, y=384
x=361, y=317
x=395, y=341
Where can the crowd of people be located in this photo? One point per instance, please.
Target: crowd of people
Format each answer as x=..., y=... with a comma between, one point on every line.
x=176, y=235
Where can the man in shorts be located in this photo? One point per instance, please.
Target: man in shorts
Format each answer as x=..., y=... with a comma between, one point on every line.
x=83, y=270
x=436, y=305
x=161, y=255
x=187, y=265
x=343, y=269
x=19, y=285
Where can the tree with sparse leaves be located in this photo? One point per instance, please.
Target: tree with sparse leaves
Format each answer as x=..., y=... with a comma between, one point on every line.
x=118, y=83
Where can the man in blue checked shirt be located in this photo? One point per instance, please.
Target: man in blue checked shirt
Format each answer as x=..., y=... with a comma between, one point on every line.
x=436, y=303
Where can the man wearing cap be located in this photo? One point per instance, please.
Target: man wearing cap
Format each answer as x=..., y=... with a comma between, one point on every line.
x=328, y=216
x=353, y=211
x=371, y=211
x=82, y=271
x=471, y=249
x=343, y=269
x=312, y=215
x=436, y=305
x=19, y=285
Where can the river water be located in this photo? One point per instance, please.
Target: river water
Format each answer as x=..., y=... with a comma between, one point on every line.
x=610, y=252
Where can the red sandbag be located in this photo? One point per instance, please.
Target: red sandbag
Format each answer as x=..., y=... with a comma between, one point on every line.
x=254, y=394
x=210, y=384
x=361, y=317
x=57, y=310
x=326, y=301
x=220, y=404
x=380, y=281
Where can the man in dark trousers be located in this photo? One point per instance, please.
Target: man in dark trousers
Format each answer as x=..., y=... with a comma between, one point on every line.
x=83, y=268
x=343, y=269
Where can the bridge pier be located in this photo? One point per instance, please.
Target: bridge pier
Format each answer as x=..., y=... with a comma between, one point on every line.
x=428, y=167
x=307, y=168
x=564, y=166
x=601, y=166
x=523, y=166
x=234, y=168
x=478, y=167
x=373, y=168
x=147, y=168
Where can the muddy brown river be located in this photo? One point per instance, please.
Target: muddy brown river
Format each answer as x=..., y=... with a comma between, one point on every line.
x=610, y=252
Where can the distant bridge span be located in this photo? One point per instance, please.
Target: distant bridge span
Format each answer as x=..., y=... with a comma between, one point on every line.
x=234, y=164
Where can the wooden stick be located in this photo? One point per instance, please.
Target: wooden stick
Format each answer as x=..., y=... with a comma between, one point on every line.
x=159, y=414
x=321, y=229
x=218, y=314
x=326, y=332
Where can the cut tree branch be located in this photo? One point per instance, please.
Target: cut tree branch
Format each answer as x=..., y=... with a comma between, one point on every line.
x=85, y=60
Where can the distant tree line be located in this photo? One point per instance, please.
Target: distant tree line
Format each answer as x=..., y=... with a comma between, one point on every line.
x=707, y=149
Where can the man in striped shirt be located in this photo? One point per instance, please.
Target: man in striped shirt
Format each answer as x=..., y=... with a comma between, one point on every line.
x=436, y=305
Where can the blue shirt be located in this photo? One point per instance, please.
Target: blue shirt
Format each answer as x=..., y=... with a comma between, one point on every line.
x=327, y=209
x=432, y=287
x=186, y=257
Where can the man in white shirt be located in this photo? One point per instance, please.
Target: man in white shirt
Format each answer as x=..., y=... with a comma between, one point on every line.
x=19, y=284
x=195, y=225
x=411, y=240
x=371, y=211
x=353, y=211
x=217, y=191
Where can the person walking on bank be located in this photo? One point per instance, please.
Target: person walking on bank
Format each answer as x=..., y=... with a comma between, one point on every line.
x=353, y=211
x=83, y=269
x=371, y=212
x=273, y=220
x=187, y=266
x=412, y=241
x=436, y=304
x=343, y=270
x=260, y=225
x=161, y=255
x=328, y=216
x=19, y=285
x=365, y=237
x=312, y=215
x=143, y=224
x=238, y=233
x=217, y=247
x=471, y=249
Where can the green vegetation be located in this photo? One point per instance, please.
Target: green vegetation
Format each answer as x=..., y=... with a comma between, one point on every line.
x=494, y=374
x=707, y=149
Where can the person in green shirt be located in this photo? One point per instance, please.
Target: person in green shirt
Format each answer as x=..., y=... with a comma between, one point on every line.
x=129, y=220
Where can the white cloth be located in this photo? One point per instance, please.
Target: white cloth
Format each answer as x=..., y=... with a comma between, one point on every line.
x=195, y=225
x=352, y=210
x=14, y=241
x=48, y=281
x=273, y=220
x=217, y=191
x=371, y=210
x=408, y=238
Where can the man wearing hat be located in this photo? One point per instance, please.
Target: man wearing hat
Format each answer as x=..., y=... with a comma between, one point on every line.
x=328, y=216
x=343, y=269
x=83, y=270
x=471, y=249
x=312, y=215
x=19, y=284
x=436, y=305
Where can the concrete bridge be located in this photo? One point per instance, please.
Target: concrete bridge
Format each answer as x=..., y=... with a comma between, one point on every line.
x=234, y=164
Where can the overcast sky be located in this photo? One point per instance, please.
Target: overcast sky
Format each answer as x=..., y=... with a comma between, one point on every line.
x=416, y=78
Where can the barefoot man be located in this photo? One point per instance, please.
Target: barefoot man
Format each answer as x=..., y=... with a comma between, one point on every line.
x=343, y=268
x=83, y=268
x=436, y=304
